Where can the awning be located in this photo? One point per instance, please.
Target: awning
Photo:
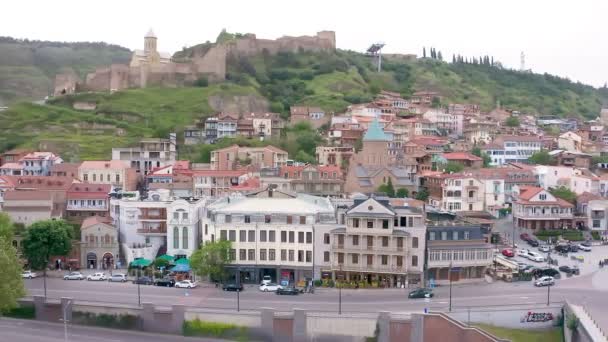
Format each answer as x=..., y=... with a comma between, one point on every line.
x=181, y=268
x=182, y=261
x=141, y=263
x=166, y=257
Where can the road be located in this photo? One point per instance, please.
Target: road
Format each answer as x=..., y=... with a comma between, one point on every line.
x=16, y=330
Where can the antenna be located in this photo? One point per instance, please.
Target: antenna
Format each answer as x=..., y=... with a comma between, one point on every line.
x=522, y=62
x=375, y=50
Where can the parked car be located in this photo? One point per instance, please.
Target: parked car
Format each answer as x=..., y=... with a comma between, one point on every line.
x=28, y=274
x=523, y=266
x=533, y=242
x=266, y=279
x=545, y=281
x=421, y=293
x=584, y=248
x=143, y=280
x=288, y=291
x=566, y=269
x=186, y=284
x=99, y=276
x=586, y=244
x=118, y=277
x=522, y=253
x=574, y=248
x=508, y=253
x=544, y=248
x=535, y=256
x=524, y=236
x=232, y=287
x=562, y=248
x=546, y=272
x=73, y=276
x=166, y=282
x=270, y=287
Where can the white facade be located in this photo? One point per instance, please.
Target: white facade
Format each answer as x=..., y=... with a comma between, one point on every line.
x=570, y=142
x=184, y=226
x=462, y=194
x=518, y=149
x=597, y=215
x=494, y=195
x=450, y=122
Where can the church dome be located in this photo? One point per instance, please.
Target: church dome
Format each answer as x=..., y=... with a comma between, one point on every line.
x=150, y=34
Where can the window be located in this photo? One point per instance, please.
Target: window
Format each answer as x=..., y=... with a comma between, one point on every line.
x=431, y=235
x=444, y=235
x=384, y=259
x=86, y=177
x=232, y=254
x=283, y=236
x=267, y=218
x=356, y=223
x=370, y=241
x=466, y=235
x=596, y=224
x=117, y=178
x=414, y=260
x=326, y=256
x=262, y=254
x=262, y=236
x=251, y=236
x=271, y=236
x=355, y=258
x=291, y=255
x=175, y=238
x=291, y=237
x=385, y=241
x=252, y=254
x=232, y=235
x=326, y=239
x=454, y=235
x=355, y=240
x=289, y=219
x=340, y=258
x=228, y=218
x=271, y=254
x=242, y=254
x=308, y=256
x=185, y=238
x=108, y=177
x=370, y=260
x=300, y=237
x=302, y=219
x=370, y=223
x=223, y=235
x=399, y=261
x=410, y=221
x=242, y=236
x=283, y=255
x=308, y=237
x=384, y=224
x=542, y=197
x=340, y=239
x=176, y=216
x=247, y=219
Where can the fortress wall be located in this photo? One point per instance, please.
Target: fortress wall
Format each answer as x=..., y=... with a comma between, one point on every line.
x=119, y=78
x=99, y=80
x=212, y=64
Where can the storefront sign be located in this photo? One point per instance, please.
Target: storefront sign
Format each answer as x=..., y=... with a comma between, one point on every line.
x=535, y=317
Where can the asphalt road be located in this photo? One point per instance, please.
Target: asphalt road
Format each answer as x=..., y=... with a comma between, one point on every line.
x=15, y=330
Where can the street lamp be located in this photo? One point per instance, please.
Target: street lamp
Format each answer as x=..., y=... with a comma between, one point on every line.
x=138, y=280
x=548, y=294
x=238, y=289
x=450, y=277
x=340, y=293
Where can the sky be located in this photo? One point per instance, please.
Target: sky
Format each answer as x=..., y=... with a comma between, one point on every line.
x=562, y=37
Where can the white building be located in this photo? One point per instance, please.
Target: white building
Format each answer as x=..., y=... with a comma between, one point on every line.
x=184, y=222
x=151, y=153
x=494, y=194
x=570, y=142
x=597, y=216
x=452, y=123
x=512, y=149
x=272, y=233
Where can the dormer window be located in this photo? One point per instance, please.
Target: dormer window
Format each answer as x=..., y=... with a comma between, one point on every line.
x=542, y=197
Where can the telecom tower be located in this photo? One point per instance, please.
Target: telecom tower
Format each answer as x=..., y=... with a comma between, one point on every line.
x=375, y=50
x=522, y=62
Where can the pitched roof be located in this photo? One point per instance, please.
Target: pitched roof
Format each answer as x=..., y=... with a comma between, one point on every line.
x=585, y=197
x=527, y=192
x=41, y=182
x=92, y=220
x=461, y=156
x=12, y=166
x=88, y=191
x=375, y=132
x=219, y=173
x=104, y=164
x=15, y=195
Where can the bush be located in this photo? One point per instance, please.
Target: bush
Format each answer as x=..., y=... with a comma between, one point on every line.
x=331, y=283
x=214, y=329
x=22, y=312
x=318, y=283
x=595, y=235
x=126, y=321
x=201, y=82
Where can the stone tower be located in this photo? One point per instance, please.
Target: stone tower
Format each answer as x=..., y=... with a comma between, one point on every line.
x=150, y=48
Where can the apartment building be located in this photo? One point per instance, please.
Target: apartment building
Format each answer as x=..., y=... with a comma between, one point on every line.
x=271, y=231
x=57, y=187
x=85, y=200
x=314, y=115
x=334, y=155
x=27, y=207
x=455, y=192
x=234, y=157
x=537, y=208
x=38, y=163
x=465, y=159
x=457, y=250
x=451, y=123
x=597, y=216
x=315, y=180
x=13, y=156
x=379, y=243
x=151, y=153
x=215, y=183
x=513, y=149
x=117, y=173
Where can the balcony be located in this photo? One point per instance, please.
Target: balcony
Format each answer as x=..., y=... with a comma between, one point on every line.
x=178, y=221
x=364, y=267
x=87, y=207
x=153, y=229
x=152, y=218
x=365, y=249
x=545, y=216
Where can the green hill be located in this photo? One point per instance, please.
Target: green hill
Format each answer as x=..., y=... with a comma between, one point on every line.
x=28, y=68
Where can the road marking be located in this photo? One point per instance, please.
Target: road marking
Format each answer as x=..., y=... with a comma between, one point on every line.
x=524, y=297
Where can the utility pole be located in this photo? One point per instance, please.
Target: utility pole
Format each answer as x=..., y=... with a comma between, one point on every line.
x=238, y=289
x=65, y=320
x=548, y=294
x=450, y=276
x=138, y=285
x=340, y=294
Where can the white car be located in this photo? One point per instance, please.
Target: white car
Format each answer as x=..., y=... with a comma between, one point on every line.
x=535, y=256
x=545, y=281
x=522, y=253
x=118, y=277
x=28, y=274
x=185, y=284
x=584, y=248
x=73, y=276
x=99, y=276
x=266, y=279
x=544, y=248
x=270, y=287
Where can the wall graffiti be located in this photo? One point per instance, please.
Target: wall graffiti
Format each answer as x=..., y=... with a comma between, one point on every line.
x=535, y=317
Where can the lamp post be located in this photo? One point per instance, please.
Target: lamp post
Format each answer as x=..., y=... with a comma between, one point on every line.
x=138, y=285
x=548, y=294
x=46, y=264
x=238, y=289
x=340, y=293
x=450, y=277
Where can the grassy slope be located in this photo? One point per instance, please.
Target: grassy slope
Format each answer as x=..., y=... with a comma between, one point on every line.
x=521, y=335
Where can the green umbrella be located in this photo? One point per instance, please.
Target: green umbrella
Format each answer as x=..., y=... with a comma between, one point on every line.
x=141, y=263
x=166, y=257
x=184, y=261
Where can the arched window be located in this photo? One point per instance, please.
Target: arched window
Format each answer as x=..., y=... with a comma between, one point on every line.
x=176, y=238
x=185, y=238
x=107, y=238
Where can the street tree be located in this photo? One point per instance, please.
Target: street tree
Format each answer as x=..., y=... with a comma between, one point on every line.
x=45, y=239
x=422, y=195
x=211, y=259
x=6, y=227
x=11, y=283
x=486, y=158
x=402, y=192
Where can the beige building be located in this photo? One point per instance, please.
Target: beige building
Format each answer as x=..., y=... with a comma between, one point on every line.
x=334, y=155
x=118, y=173
x=99, y=247
x=149, y=55
x=231, y=157
x=27, y=207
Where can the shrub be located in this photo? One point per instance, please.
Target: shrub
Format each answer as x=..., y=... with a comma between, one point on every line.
x=22, y=312
x=214, y=329
x=595, y=235
x=318, y=283
x=331, y=283
x=121, y=321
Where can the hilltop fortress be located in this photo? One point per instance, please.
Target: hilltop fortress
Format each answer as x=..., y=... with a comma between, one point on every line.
x=148, y=67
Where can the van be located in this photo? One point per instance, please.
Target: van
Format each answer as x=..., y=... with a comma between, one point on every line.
x=266, y=280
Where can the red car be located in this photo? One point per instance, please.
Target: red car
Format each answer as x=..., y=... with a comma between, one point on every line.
x=524, y=236
x=508, y=253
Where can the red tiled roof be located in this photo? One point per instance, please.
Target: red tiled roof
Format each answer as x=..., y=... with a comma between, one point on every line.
x=88, y=191
x=461, y=156
x=41, y=182
x=219, y=173
x=15, y=195
x=92, y=220
x=527, y=192
x=104, y=164
x=11, y=166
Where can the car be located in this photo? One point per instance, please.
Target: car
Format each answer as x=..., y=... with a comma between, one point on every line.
x=574, y=248
x=186, y=284
x=508, y=253
x=166, y=282
x=545, y=281
x=566, y=269
x=584, y=248
x=535, y=256
x=561, y=248
x=118, y=278
x=421, y=293
x=99, y=276
x=288, y=291
x=544, y=248
x=546, y=272
x=28, y=274
x=270, y=287
x=232, y=287
x=586, y=244
x=73, y=276
x=266, y=279
x=522, y=253
x=524, y=236
x=143, y=281
x=533, y=242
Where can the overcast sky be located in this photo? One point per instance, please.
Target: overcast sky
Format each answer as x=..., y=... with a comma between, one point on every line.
x=564, y=37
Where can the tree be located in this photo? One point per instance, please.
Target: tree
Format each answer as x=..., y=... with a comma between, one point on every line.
x=486, y=158
x=422, y=195
x=541, y=157
x=439, y=56
x=6, y=227
x=402, y=192
x=211, y=259
x=453, y=167
x=564, y=193
x=387, y=188
x=436, y=102
x=160, y=262
x=45, y=239
x=11, y=283
x=305, y=157
x=453, y=59
x=423, y=52
x=512, y=121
